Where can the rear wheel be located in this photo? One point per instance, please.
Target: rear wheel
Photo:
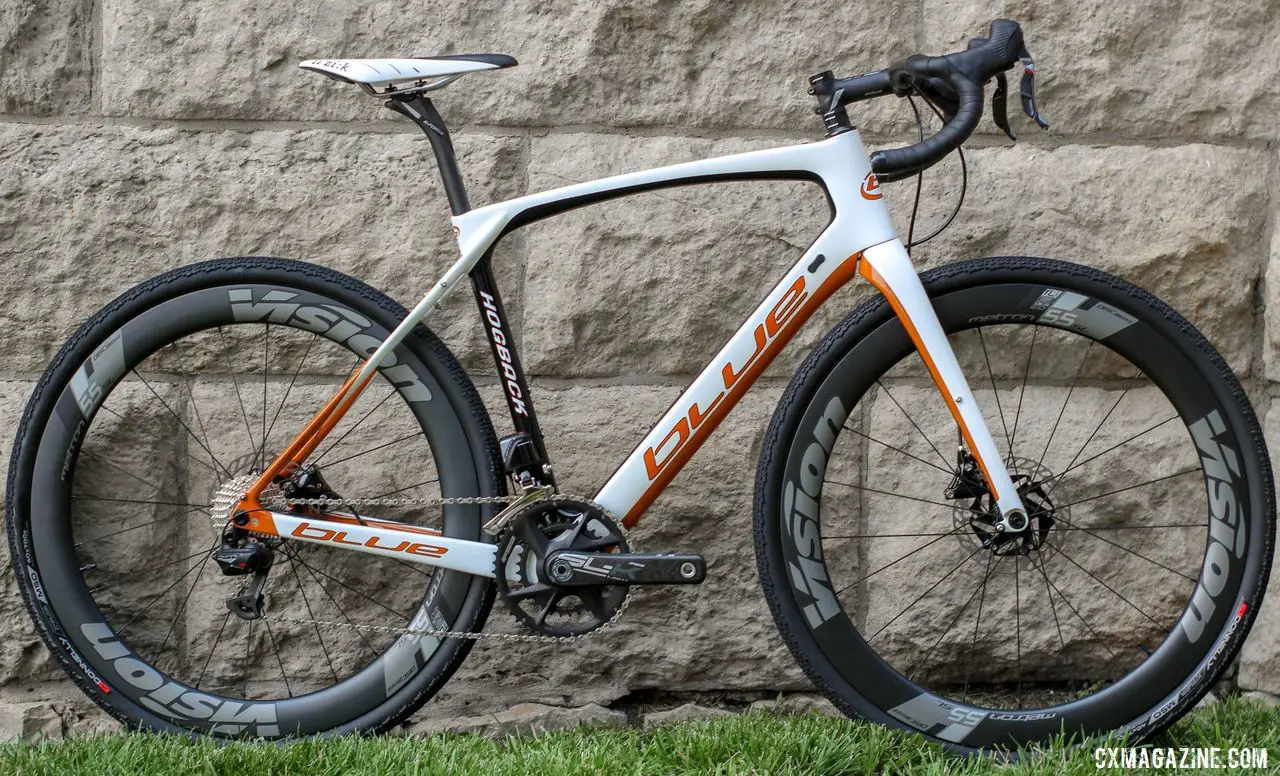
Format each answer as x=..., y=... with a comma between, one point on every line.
x=1144, y=473
x=146, y=427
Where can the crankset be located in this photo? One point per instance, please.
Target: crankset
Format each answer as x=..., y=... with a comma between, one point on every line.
x=565, y=567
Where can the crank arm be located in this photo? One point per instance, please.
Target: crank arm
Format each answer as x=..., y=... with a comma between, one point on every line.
x=570, y=568
x=388, y=538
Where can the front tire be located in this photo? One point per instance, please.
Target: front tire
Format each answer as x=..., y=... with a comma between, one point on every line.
x=1132, y=632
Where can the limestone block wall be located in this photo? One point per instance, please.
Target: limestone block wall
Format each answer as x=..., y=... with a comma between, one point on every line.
x=140, y=135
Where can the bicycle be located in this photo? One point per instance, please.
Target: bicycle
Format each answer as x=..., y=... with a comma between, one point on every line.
x=136, y=424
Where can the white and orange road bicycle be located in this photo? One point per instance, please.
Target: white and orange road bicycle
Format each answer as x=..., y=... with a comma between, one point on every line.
x=1003, y=500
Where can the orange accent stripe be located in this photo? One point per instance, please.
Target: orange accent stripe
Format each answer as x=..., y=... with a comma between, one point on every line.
x=869, y=272
x=260, y=521
x=717, y=412
x=303, y=445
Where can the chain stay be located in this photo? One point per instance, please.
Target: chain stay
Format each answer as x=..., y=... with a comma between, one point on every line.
x=448, y=634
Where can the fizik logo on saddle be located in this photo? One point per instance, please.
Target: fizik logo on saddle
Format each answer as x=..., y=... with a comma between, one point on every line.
x=337, y=323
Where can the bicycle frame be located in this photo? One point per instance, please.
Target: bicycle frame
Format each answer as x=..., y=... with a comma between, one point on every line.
x=859, y=240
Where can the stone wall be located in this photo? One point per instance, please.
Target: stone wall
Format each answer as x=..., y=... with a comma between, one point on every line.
x=140, y=135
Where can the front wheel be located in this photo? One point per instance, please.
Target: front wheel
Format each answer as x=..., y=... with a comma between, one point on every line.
x=142, y=433
x=1145, y=476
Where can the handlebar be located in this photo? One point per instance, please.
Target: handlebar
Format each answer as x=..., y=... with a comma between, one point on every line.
x=955, y=80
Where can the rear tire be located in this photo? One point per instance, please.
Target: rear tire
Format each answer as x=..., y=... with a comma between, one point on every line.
x=83, y=610
x=805, y=489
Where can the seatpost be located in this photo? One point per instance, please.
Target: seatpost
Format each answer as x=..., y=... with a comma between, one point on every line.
x=483, y=283
x=425, y=115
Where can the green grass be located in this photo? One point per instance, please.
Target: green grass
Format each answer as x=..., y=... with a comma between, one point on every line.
x=752, y=743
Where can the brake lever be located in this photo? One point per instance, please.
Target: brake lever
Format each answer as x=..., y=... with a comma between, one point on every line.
x=999, y=109
x=1028, y=89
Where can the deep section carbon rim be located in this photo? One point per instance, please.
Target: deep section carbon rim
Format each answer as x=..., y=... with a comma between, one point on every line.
x=186, y=399
x=1145, y=532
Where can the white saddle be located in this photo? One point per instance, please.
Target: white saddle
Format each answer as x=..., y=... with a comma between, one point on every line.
x=397, y=76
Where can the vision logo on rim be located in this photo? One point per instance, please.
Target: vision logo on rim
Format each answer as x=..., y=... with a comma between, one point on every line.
x=800, y=512
x=329, y=320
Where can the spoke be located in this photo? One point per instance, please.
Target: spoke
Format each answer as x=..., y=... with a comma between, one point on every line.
x=1130, y=487
x=920, y=597
x=171, y=563
x=162, y=593
x=1065, y=402
x=177, y=417
x=181, y=608
x=986, y=576
x=204, y=432
x=1017, y=414
x=95, y=456
x=1094, y=433
x=1052, y=607
x=156, y=436
x=315, y=570
x=891, y=536
x=895, y=562
x=323, y=647
x=912, y=421
x=973, y=648
x=266, y=348
x=204, y=507
x=404, y=438
x=407, y=487
x=236, y=384
x=1064, y=472
x=995, y=392
x=887, y=493
x=213, y=649
x=1108, y=587
x=141, y=525
x=1076, y=612
x=244, y=666
x=948, y=472
x=271, y=637
x=1131, y=527
x=288, y=389
x=354, y=426
x=341, y=611
x=1017, y=621
x=414, y=567
x=1135, y=553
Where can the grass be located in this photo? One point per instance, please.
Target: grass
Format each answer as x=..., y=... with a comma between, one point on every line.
x=752, y=743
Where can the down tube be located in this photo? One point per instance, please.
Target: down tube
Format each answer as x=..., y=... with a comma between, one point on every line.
x=693, y=416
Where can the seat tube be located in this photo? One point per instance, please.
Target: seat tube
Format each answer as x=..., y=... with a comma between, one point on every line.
x=888, y=267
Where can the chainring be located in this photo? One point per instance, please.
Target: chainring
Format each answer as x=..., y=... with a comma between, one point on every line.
x=547, y=526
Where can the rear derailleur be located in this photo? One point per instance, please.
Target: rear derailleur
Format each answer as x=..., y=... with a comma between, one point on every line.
x=241, y=553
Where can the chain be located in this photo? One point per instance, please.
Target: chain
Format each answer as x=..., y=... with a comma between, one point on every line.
x=439, y=633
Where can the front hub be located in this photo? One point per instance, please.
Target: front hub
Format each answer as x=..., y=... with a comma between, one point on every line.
x=977, y=521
